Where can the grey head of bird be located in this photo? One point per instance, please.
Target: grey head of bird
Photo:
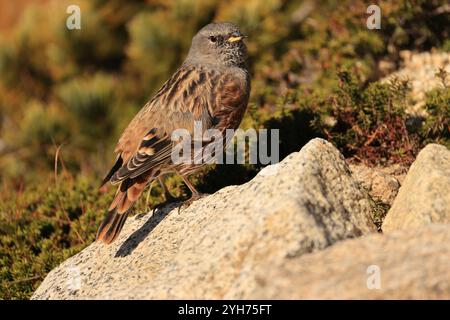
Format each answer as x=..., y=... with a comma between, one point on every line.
x=218, y=44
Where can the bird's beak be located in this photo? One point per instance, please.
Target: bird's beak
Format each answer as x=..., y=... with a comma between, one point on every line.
x=236, y=38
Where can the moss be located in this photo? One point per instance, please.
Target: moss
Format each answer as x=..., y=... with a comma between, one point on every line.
x=379, y=211
x=43, y=225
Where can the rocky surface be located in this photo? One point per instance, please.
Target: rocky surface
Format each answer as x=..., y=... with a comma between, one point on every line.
x=382, y=183
x=301, y=229
x=425, y=193
x=420, y=69
x=407, y=264
x=303, y=204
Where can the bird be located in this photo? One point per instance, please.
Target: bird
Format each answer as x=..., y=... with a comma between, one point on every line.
x=212, y=86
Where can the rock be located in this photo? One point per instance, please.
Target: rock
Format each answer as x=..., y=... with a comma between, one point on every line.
x=424, y=196
x=385, y=66
x=412, y=264
x=382, y=183
x=301, y=205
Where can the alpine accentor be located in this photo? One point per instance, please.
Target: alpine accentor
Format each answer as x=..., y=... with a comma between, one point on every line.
x=211, y=86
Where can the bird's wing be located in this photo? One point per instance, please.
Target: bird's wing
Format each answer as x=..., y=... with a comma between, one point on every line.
x=146, y=143
x=154, y=150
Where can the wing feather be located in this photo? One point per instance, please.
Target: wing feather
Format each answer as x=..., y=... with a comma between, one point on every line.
x=217, y=100
x=167, y=111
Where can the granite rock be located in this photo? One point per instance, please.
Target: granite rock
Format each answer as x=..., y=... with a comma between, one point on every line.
x=424, y=196
x=304, y=204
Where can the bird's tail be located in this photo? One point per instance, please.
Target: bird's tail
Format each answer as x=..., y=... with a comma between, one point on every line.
x=126, y=195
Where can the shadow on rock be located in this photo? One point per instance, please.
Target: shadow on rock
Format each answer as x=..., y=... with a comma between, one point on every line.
x=139, y=235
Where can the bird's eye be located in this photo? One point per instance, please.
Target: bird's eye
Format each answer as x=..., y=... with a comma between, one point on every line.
x=212, y=38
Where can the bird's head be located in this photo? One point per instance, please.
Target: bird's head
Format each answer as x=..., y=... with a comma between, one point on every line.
x=218, y=44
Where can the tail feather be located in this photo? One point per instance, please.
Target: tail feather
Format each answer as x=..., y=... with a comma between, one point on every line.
x=111, y=226
x=127, y=193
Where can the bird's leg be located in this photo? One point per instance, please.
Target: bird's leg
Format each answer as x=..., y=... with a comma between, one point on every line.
x=190, y=186
x=168, y=197
x=195, y=194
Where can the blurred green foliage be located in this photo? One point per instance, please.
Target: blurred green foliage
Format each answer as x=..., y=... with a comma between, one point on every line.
x=66, y=95
x=90, y=100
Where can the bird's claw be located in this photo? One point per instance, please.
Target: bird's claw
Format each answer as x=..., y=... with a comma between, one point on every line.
x=189, y=201
x=168, y=201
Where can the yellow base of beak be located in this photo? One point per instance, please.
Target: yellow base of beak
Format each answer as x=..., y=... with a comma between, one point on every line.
x=234, y=39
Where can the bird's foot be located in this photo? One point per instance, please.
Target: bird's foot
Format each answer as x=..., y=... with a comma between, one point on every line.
x=189, y=201
x=169, y=199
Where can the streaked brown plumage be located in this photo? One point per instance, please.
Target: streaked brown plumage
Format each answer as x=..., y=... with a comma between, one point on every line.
x=211, y=86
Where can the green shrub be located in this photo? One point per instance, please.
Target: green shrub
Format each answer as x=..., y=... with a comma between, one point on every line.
x=370, y=122
x=33, y=144
x=436, y=127
x=43, y=126
x=90, y=100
